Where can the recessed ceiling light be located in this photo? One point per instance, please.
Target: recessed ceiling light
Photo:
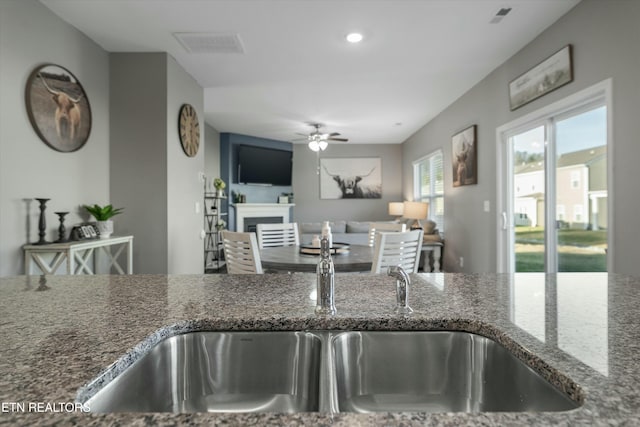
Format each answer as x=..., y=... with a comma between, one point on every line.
x=354, y=37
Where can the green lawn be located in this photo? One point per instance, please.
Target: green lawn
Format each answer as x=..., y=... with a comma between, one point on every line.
x=565, y=236
x=533, y=261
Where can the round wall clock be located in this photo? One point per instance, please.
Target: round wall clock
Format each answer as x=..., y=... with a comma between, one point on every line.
x=189, y=129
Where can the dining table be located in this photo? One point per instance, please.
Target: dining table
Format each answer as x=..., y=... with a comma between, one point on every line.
x=357, y=258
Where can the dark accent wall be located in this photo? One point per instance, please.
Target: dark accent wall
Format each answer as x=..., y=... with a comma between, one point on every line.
x=229, y=143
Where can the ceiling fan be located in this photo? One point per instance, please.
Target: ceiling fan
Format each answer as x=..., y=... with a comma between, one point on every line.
x=318, y=140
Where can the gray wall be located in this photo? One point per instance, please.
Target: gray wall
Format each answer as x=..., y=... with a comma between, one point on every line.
x=306, y=184
x=154, y=180
x=605, y=39
x=139, y=155
x=184, y=184
x=31, y=35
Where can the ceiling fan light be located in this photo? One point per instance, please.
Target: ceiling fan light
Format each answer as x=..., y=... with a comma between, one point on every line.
x=354, y=37
x=313, y=145
x=323, y=145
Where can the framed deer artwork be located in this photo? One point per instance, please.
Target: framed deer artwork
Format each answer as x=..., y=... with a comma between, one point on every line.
x=351, y=178
x=464, y=157
x=58, y=108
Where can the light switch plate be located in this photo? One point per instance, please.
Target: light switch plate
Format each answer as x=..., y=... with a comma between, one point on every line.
x=487, y=206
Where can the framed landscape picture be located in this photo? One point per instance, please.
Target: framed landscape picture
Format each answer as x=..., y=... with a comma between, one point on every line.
x=464, y=156
x=545, y=77
x=351, y=178
x=58, y=108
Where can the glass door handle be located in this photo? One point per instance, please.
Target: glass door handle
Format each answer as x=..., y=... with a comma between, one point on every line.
x=504, y=220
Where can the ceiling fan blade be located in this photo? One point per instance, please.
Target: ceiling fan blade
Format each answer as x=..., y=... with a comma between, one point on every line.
x=334, y=134
x=338, y=139
x=299, y=139
x=303, y=134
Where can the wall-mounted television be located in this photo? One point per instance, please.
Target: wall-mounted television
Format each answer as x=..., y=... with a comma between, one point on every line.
x=259, y=165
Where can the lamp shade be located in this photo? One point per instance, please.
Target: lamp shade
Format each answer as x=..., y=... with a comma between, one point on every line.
x=396, y=208
x=416, y=210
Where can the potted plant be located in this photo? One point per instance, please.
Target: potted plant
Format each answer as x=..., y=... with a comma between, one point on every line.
x=219, y=185
x=221, y=224
x=103, y=215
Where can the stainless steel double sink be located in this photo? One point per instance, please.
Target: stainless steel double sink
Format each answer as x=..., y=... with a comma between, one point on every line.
x=373, y=371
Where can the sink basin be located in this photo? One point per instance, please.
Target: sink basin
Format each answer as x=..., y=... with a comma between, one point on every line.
x=219, y=372
x=326, y=371
x=435, y=371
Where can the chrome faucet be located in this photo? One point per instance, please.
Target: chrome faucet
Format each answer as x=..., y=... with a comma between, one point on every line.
x=402, y=289
x=325, y=304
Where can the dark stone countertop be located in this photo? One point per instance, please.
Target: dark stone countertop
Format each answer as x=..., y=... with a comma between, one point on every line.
x=59, y=335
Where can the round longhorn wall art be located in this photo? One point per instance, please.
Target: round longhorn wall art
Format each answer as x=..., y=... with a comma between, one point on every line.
x=58, y=108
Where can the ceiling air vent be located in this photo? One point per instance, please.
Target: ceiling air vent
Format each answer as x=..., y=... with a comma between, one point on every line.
x=501, y=14
x=210, y=42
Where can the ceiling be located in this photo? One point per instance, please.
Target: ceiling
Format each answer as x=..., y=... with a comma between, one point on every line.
x=417, y=56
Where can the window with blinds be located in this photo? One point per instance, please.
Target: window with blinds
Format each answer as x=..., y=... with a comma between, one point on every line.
x=428, y=179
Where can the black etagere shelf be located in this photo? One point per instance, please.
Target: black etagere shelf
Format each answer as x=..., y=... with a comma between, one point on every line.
x=213, y=254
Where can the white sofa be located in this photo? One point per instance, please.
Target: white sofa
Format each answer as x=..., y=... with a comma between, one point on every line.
x=357, y=232
x=351, y=232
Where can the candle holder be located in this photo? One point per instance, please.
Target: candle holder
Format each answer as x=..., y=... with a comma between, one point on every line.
x=42, y=223
x=61, y=230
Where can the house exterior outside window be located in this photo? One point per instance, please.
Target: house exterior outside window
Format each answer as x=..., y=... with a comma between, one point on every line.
x=581, y=204
x=575, y=179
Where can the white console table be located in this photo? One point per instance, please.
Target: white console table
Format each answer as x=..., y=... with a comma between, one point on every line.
x=79, y=255
x=434, y=258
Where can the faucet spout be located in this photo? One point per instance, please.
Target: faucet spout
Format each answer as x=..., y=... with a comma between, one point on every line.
x=402, y=289
x=325, y=304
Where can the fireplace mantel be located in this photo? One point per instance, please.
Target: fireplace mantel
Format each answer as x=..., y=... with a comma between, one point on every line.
x=249, y=210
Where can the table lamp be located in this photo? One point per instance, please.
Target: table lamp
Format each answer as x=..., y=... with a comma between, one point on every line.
x=396, y=209
x=417, y=211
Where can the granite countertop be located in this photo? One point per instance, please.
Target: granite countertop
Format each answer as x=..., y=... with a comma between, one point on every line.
x=60, y=333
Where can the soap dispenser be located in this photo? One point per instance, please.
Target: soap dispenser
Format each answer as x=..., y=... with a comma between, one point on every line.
x=326, y=233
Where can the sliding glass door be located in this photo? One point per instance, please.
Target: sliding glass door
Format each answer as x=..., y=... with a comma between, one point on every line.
x=528, y=198
x=554, y=192
x=581, y=191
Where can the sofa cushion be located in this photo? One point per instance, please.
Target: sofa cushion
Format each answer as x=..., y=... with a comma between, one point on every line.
x=310, y=227
x=338, y=226
x=358, y=226
x=316, y=227
x=352, y=238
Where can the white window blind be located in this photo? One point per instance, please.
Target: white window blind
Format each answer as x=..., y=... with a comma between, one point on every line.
x=428, y=179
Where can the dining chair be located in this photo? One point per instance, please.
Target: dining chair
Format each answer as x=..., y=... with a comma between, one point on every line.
x=272, y=235
x=397, y=248
x=384, y=226
x=241, y=253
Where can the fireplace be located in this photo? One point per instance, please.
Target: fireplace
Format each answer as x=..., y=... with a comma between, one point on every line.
x=244, y=211
x=250, y=224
